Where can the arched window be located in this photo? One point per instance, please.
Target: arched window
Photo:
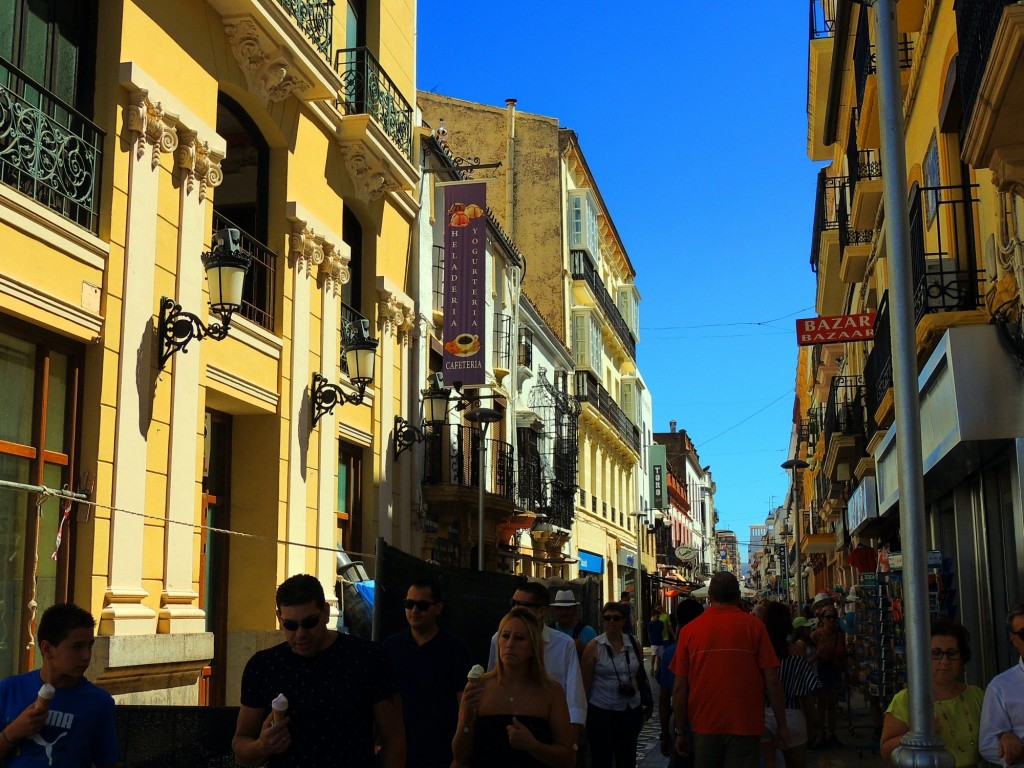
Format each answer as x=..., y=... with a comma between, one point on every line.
x=241, y=202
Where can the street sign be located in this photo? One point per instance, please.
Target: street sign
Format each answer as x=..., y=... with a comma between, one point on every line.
x=835, y=328
x=686, y=553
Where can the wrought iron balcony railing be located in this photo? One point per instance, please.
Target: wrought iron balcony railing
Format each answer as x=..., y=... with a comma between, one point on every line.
x=878, y=366
x=451, y=456
x=560, y=507
x=589, y=390
x=583, y=269
x=350, y=325
x=864, y=59
x=48, y=150
x=976, y=25
x=943, y=250
x=260, y=289
x=528, y=483
x=367, y=90
x=315, y=19
x=844, y=413
x=827, y=204
x=823, y=18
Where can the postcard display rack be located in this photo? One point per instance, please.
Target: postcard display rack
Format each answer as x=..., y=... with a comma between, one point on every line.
x=880, y=642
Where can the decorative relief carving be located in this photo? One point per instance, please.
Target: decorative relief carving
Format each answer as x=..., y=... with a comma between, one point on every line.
x=269, y=70
x=304, y=248
x=147, y=123
x=395, y=315
x=334, y=272
x=368, y=176
x=198, y=162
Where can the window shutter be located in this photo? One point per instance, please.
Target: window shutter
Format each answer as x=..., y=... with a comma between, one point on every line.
x=580, y=340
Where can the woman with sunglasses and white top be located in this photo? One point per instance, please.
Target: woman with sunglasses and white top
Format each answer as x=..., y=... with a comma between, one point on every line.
x=957, y=705
x=614, y=676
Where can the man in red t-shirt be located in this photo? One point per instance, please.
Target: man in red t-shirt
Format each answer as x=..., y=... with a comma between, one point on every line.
x=724, y=664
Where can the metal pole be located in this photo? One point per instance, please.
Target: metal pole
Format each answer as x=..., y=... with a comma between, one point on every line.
x=920, y=748
x=640, y=618
x=480, y=507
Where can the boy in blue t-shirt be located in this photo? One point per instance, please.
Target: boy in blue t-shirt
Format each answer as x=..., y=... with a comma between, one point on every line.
x=76, y=729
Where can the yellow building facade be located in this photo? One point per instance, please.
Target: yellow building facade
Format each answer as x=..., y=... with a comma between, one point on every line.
x=960, y=79
x=143, y=128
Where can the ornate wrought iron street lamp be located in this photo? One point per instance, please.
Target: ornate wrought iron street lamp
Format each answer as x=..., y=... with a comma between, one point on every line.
x=226, y=265
x=361, y=359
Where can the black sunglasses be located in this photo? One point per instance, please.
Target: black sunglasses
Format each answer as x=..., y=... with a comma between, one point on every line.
x=1019, y=633
x=423, y=605
x=609, y=617
x=307, y=623
x=950, y=653
x=524, y=604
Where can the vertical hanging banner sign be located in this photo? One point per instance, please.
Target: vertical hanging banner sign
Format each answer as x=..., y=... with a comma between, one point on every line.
x=465, y=283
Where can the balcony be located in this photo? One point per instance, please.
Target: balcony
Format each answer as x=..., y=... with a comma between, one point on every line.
x=316, y=20
x=825, y=243
x=990, y=69
x=878, y=374
x=843, y=427
x=944, y=247
x=589, y=390
x=282, y=46
x=866, y=80
x=48, y=151
x=367, y=90
x=822, y=30
x=854, y=244
x=583, y=270
x=259, y=293
x=865, y=169
x=528, y=482
x=451, y=470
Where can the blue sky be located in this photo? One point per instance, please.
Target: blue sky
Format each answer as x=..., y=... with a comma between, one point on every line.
x=695, y=113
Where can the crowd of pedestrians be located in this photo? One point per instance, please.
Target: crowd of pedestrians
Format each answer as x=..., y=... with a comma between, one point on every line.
x=738, y=689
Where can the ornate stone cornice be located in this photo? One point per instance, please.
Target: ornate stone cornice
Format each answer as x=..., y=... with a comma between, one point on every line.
x=269, y=70
x=147, y=123
x=198, y=162
x=367, y=172
x=304, y=248
x=334, y=272
x=1007, y=166
x=307, y=249
x=395, y=315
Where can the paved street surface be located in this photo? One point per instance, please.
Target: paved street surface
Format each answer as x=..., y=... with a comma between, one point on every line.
x=859, y=749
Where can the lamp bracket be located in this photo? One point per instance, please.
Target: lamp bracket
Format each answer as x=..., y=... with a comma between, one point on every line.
x=326, y=395
x=177, y=328
x=406, y=435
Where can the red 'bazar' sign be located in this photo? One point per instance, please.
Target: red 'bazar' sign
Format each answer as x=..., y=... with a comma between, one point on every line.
x=836, y=328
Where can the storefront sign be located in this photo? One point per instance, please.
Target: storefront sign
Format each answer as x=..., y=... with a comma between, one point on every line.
x=835, y=328
x=465, y=283
x=659, y=461
x=862, y=505
x=591, y=562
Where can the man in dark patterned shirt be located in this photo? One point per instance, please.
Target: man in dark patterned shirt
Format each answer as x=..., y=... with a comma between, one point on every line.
x=338, y=688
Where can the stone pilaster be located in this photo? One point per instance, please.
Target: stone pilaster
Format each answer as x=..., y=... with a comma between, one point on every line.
x=147, y=126
x=199, y=166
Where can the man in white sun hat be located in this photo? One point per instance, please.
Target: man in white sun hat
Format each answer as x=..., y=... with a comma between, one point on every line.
x=567, y=621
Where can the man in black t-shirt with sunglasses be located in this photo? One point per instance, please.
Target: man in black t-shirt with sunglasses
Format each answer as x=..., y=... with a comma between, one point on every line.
x=338, y=688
